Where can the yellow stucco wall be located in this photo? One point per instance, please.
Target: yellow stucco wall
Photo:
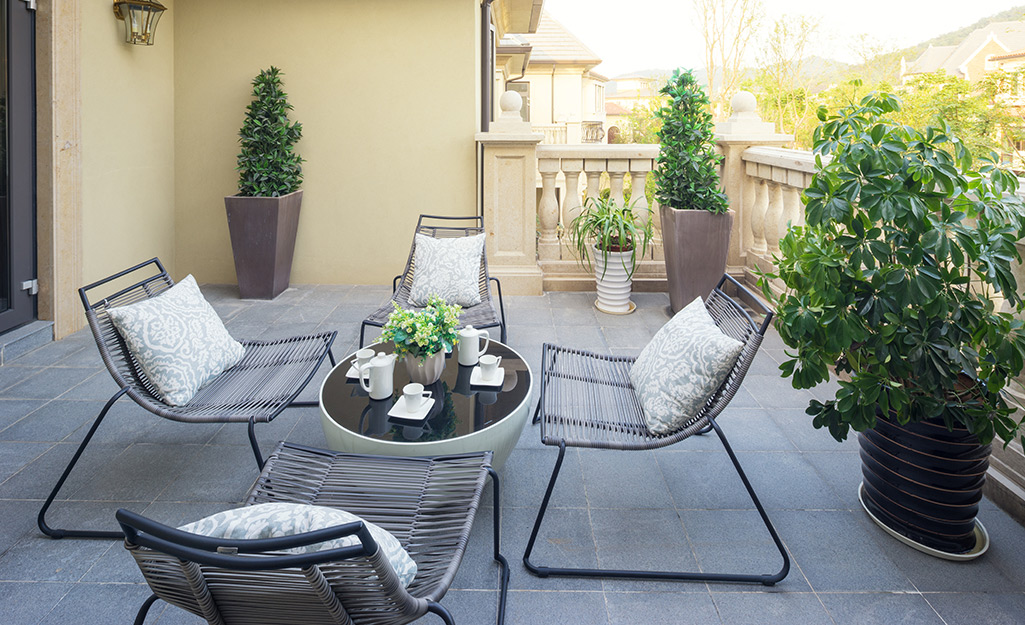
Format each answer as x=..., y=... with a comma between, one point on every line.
x=127, y=116
x=387, y=93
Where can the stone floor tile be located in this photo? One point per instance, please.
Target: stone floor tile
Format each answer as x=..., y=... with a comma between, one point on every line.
x=661, y=608
x=876, y=608
x=975, y=608
x=531, y=608
x=22, y=602
x=769, y=608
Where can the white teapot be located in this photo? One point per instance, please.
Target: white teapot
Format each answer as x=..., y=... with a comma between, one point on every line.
x=381, y=379
x=469, y=347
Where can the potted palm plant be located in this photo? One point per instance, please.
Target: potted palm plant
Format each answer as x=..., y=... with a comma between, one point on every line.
x=891, y=282
x=695, y=213
x=609, y=235
x=263, y=218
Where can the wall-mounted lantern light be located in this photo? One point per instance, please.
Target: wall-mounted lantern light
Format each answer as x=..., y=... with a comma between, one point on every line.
x=140, y=18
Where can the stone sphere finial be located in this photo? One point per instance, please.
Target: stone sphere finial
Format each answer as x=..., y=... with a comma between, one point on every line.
x=511, y=102
x=744, y=102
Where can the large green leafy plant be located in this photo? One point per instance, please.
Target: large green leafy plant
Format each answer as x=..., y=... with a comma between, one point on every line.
x=610, y=228
x=268, y=165
x=686, y=176
x=892, y=277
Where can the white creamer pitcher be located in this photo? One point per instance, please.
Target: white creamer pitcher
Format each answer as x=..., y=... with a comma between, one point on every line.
x=381, y=378
x=469, y=347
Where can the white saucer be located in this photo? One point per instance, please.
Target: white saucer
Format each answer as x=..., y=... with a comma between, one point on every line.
x=399, y=410
x=476, y=379
x=352, y=374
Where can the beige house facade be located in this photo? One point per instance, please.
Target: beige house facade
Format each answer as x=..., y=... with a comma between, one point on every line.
x=564, y=97
x=136, y=145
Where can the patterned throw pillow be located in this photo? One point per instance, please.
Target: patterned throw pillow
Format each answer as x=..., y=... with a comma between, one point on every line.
x=680, y=368
x=272, y=520
x=178, y=340
x=448, y=268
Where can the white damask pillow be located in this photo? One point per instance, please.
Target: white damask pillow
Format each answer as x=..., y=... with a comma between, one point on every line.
x=680, y=368
x=273, y=520
x=448, y=268
x=178, y=340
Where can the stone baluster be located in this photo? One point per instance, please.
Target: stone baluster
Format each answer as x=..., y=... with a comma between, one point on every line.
x=617, y=171
x=758, y=210
x=749, y=192
x=793, y=211
x=639, y=169
x=593, y=168
x=548, y=209
x=571, y=168
x=774, y=224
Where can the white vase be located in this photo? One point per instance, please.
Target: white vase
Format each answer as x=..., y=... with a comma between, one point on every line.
x=427, y=371
x=614, y=281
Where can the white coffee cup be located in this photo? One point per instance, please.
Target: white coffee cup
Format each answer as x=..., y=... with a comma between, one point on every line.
x=415, y=396
x=489, y=366
x=363, y=356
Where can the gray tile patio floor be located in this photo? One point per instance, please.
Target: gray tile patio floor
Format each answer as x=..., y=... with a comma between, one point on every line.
x=678, y=507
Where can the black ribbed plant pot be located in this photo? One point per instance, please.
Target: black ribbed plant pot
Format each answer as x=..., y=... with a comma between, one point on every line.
x=924, y=482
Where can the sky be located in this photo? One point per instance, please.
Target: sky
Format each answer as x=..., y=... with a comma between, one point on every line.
x=634, y=35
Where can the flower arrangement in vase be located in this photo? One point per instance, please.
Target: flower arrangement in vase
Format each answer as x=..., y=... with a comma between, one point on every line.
x=423, y=337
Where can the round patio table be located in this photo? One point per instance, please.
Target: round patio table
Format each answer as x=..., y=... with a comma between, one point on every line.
x=464, y=417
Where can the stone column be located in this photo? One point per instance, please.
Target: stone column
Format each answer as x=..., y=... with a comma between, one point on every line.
x=510, y=199
x=743, y=130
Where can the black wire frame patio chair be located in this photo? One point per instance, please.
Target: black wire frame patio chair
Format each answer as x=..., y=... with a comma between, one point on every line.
x=587, y=400
x=267, y=380
x=483, y=315
x=428, y=504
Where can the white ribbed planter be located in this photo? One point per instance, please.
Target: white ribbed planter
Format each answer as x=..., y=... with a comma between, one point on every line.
x=614, y=286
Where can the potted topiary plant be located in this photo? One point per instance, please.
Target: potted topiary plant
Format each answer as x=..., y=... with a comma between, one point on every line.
x=263, y=218
x=610, y=234
x=695, y=213
x=890, y=282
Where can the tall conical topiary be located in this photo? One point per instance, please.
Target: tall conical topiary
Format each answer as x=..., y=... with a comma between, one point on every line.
x=686, y=176
x=268, y=165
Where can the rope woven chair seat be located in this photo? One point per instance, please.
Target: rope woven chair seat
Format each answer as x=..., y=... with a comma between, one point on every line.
x=588, y=400
x=429, y=504
x=482, y=315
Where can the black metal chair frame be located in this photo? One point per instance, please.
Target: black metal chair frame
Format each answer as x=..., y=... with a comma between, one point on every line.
x=482, y=315
x=249, y=392
x=176, y=563
x=626, y=430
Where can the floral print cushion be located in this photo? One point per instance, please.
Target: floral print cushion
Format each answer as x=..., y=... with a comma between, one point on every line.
x=273, y=520
x=178, y=340
x=680, y=368
x=448, y=268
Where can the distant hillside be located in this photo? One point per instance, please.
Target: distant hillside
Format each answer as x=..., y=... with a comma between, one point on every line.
x=886, y=67
x=823, y=72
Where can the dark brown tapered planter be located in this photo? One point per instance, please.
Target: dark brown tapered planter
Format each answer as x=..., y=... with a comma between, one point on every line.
x=696, y=244
x=924, y=483
x=263, y=233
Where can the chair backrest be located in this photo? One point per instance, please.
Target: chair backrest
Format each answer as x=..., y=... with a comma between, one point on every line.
x=141, y=282
x=441, y=227
x=731, y=317
x=246, y=581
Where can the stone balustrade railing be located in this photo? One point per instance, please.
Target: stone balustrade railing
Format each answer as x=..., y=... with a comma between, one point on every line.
x=569, y=174
x=770, y=201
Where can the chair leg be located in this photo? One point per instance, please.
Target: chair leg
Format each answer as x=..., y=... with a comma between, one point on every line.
x=255, y=445
x=362, y=333
x=766, y=579
x=537, y=413
x=437, y=608
x=41, y=519
x=503, y=589
x=140, y=618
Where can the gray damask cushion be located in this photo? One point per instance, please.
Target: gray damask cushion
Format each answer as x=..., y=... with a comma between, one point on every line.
x=448, y=268
x=272, y=520
x=178, y=340
x=680, y=368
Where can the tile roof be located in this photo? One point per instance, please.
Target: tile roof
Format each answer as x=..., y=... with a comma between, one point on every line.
x=552, y=43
